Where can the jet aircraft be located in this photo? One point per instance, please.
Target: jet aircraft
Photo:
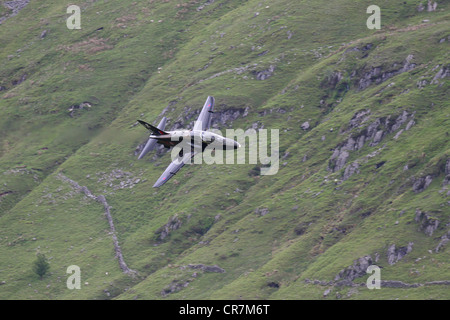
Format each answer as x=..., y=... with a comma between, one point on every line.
x=198, y=139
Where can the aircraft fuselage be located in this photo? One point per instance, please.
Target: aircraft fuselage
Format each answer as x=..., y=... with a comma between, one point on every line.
x=196, y=139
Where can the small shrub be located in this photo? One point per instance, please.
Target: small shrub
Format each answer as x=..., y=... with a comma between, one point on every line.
x=41, y=265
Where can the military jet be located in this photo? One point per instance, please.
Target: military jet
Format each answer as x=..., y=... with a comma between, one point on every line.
x=198, y=139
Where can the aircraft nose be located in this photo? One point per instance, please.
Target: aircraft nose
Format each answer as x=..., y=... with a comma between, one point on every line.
x=236, y=145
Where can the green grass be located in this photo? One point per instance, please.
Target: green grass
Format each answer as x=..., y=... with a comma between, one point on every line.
x=132, y=61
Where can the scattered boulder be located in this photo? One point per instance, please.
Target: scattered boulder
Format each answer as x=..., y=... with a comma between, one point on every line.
x=262, y=211
x=74, y=108
x=305, y=125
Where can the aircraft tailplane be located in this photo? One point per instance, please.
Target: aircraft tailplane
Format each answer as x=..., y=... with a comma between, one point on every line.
x=156, y=131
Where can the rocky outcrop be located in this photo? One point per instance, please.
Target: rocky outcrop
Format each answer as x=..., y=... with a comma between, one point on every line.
x=377, y=75
x=356, y=270
x=372, y=135
x=205, y=268
x=221, y=118
x=395, y=254
x=420, y=184
x=227, y=116
x=447, y=173
x=443, y=241
x=264, y=74
x=428, y=224
x=444, y=72
x=338, y=159
x=358, y=118
x=15, y=6
x=350, y=170
x=173, y=224
x=332, y=80
x=179, y=284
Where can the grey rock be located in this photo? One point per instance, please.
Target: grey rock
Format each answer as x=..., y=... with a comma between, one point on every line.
x=396, y=254
x=377, y=138
x=305, y=125
x=15, y=6
x=428, y=224
x=400, y=121
x=341, y=160
x=422, y=183
x=351, y=170
x=173, y=224
x=265, y=74
x=262, y=211
x=375, y=75
x=397, y=135
x=431, y=6
x=357, y=269
x=447, y=172
x=444, y=72
x=410, y=124
x=359, y=118
x=444, y=240
x=205, y=268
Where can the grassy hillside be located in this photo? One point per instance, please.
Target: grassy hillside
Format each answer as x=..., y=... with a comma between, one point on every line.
x=367, y=181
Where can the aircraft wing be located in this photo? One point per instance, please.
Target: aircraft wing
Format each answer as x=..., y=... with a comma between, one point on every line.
x=173, y=168
x=204, y=119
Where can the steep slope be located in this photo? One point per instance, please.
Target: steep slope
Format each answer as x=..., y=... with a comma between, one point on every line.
x=364, y=152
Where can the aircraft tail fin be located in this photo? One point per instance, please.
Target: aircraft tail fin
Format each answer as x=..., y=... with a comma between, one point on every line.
x=155, y=130
x=151, y=143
